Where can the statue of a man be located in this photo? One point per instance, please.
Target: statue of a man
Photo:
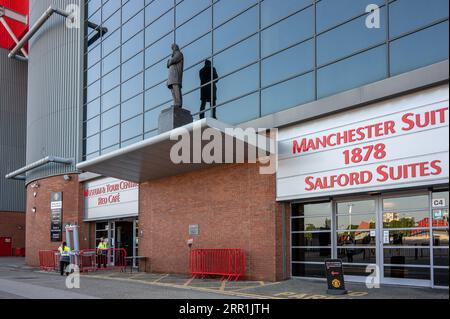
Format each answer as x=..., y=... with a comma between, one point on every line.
x=175, y=79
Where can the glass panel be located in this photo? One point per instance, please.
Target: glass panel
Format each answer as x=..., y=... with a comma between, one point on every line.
x=111, y=99
x=349, y=222
x=287, y=63
x=332, y=12
x=311, y=210
x=312, y=239
x=440, y=217
x=159, y=50
x=407, y=272
x=93, y=91
x=188, y=8
x=442, y=195
x=111, y=117
x=311, y=254
x=355, y=270
x=159, y=28
x=156, y=74
x=130, y=8
x=288, y=32
x=110, y=137
x=408, y=15
x=406, y=203
x=157, y=95
x=92, y=126
x=440, y=256
x=197, y=51
x=308, y=270
x=132, y=67
x=347, y=39
x=133, y=46
x=413, y=51
x=441, y=277
x=132, y=27
x=237, y=56
x=440, y=237
x=151, y=118
x=236, y=29
x=359, y=207
x=357, y=238
x=193, y=29
x=407, y=256
x=361, y=69
x=111, y=62
x=409, y=238
x=311, y=223
x=288, y=94
x=224, y=10
x=132, y=87
x=274, y=10
x=239, y=111
x=109, y=8
x=111, y=80
x=92, y=144
x=357, y=255
x=132, y=128
x=132, y=107
x=406, y=220
x=237, y=84
x=155, y=9
x=93, y=109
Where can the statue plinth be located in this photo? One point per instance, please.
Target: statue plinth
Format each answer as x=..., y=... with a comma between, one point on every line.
x=173, y=118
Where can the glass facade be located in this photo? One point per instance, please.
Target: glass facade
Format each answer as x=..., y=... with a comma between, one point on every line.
x=269, y=55
x=406, y=236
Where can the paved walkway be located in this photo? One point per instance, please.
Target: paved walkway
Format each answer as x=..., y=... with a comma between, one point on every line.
x=126, y=285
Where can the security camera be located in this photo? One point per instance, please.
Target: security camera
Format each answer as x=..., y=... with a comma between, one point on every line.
x=67, y=178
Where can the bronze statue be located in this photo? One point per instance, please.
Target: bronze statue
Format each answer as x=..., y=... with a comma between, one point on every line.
x=175, y=79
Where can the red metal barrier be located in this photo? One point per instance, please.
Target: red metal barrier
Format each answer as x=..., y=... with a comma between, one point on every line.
x=48, y=260
x=87, y=259
x=228, y=263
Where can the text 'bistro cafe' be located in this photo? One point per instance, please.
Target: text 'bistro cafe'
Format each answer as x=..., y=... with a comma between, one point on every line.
x=368, y=186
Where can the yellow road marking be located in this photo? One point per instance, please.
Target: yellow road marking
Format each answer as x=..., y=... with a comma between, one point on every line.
x=187, y=283
x=161, y=278
x=160, y=284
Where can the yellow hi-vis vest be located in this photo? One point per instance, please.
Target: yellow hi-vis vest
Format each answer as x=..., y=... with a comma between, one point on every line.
x=64, y=251
x=102, y=246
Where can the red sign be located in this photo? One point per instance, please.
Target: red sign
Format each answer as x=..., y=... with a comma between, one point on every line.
x=19, y=29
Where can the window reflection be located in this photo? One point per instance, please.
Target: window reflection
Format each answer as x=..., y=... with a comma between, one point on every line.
x=208, y=92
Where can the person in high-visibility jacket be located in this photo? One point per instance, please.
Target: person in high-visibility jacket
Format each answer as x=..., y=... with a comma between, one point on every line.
x=102, y=253
x=64, y=259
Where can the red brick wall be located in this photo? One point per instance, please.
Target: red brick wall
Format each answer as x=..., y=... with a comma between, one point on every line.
x=38, y=224
x=234, y=207
x=12, y=224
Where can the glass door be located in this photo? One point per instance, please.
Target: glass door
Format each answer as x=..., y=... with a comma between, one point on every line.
x=405, y=242
x=355, y=236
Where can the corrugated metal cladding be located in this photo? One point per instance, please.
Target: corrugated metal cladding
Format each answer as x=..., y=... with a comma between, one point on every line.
x=54, y=90
x=13, y=112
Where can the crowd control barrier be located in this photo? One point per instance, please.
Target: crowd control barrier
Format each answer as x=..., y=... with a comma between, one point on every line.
x=228, y=263
x=87, y=260
x=48, y=260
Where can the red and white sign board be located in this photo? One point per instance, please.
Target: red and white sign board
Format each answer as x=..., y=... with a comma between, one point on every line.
x=110, y=198
x=394, y=144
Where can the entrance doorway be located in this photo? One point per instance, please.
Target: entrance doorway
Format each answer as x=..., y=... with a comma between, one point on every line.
x=403, y=237
x=124, y=236
x=120, y=234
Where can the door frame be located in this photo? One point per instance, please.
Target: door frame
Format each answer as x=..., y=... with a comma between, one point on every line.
x=380, y=246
